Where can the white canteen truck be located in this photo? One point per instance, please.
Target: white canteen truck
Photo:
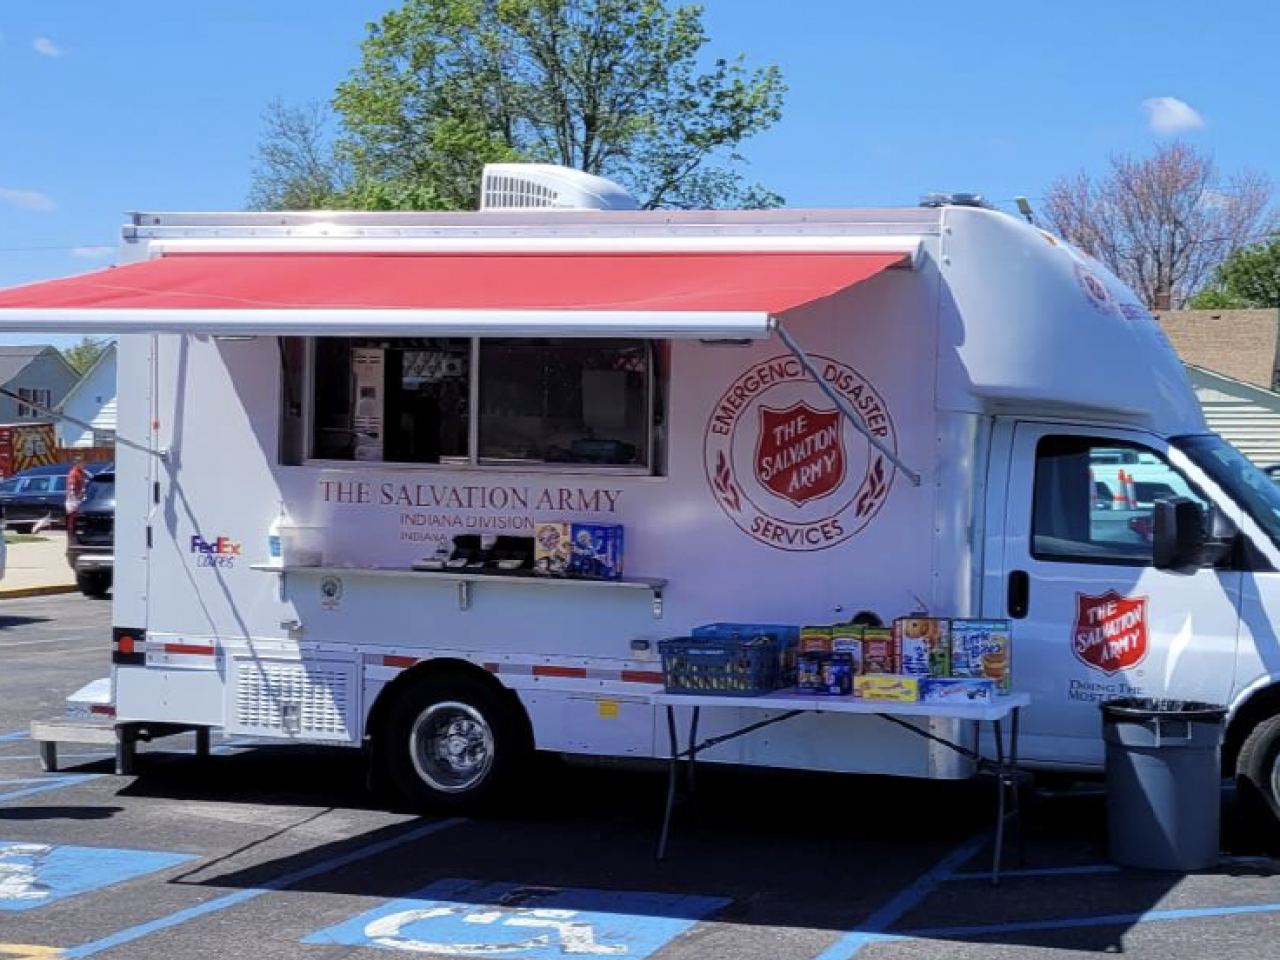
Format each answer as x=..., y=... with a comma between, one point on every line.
x=796, y=415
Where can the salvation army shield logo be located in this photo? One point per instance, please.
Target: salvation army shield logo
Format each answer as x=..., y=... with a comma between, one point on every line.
x=1110, y=632
x=789, y=468
x=800, y=452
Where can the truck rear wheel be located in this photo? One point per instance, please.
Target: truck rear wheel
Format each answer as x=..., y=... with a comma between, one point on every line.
x=451, y=743
x=1258, y=780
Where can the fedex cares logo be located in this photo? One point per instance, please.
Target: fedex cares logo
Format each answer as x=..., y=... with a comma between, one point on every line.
x=1111, y=631
x=786, y=466
x=219, y=552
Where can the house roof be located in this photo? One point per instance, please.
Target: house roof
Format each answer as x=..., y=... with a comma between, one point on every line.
x=108, y=349
x=1241, y=344
x=13, y=360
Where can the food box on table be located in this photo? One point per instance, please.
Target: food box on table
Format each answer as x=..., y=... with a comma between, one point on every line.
x=887, y=687
x=922, y=646
x=957, y=690
x=825, y=674
x=877, y=651
x=981, y=649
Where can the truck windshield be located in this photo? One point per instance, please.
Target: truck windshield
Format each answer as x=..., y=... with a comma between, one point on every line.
x=1246, y=484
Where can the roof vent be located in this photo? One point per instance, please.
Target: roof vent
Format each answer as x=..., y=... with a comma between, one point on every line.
x=544, y=186
x=952, y=200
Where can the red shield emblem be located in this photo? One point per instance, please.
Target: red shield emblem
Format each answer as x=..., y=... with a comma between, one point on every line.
x=800, y=453
x=1111, y=631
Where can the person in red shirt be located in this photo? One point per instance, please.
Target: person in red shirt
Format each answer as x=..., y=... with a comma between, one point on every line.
x=76, y=481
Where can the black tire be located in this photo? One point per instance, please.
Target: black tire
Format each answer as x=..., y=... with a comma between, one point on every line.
x=23, y=527
x=94, y=584
x=1258, y=782
x=452, y=743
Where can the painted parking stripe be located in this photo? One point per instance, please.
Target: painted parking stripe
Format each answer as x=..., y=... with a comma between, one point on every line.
x=874, y=928
x=14, y=735
x=469, y=918
x=52, y=783
x=232, y=899
x=1072, y=871
x=37, y=874
x=1105, y=920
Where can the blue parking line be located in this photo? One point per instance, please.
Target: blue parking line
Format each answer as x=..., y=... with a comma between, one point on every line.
x=53, y=783
x=874, y=928
x=1080, y=870
x=1105, y=920
x=14, y=735
x=232, y=899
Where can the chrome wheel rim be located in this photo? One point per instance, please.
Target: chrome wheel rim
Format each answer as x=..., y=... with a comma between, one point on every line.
x=452, y=746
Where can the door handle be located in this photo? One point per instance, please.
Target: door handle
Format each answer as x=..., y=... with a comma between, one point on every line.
x=1019, y=593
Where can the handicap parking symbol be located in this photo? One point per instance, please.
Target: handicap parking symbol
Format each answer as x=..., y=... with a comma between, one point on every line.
x=461, y=918
x=35, y=874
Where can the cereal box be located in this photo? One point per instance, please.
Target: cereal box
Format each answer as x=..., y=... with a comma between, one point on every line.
x=922, y=646
x=877, y=651
x=825, y=674
x=847, y=638
x=957, y=690
x=815, y=639
x=887, y=687
x=551, y=548
x=595, y=551
x=981, y=648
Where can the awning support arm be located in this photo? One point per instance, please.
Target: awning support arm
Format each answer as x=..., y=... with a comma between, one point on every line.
x=842, y=404
x=59, y=415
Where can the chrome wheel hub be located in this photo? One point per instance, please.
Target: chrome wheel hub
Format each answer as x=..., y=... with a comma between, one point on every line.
x=451, y=745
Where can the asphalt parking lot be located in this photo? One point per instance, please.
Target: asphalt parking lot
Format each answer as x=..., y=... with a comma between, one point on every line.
x=280, y=852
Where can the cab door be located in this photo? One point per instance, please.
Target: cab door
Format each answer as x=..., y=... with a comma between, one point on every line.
x=1092, y=617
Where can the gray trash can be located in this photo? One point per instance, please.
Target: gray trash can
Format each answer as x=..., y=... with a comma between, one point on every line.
x=1164, y=779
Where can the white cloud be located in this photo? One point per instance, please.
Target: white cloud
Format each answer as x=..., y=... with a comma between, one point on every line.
x=93, y=252
x=46, y=47
x=28, y=200
x=1171, y=115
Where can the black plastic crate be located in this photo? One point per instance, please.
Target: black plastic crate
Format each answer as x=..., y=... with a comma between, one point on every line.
x=727, y=666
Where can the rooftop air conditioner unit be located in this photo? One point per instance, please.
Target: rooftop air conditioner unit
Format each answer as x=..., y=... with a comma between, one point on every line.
x=544, y=186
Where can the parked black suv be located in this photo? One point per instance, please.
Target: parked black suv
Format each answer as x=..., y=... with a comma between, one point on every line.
x=90, y=538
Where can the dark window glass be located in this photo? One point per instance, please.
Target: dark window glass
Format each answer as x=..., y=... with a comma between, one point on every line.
x=565, y=401
x=100, y=487
x=403, y=401
x=1094, y=500
x=38, y=485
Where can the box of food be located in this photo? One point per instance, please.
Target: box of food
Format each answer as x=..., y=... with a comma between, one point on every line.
x=551, y=549
x=898, y=689
x=922, y=646
x=981, y=649
x=595, y=551
x=877, y=651
x=815, y=639
x=825, y=674
x=957, y=690
x=847, y=638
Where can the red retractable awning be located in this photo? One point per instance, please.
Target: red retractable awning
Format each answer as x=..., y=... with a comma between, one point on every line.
x=443, y=293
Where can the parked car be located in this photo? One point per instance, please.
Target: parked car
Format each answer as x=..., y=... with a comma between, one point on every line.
x=38, y=496
x=90, y=538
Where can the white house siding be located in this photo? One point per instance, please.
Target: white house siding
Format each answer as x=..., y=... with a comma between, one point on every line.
x=92, y=400
x=1247, y=416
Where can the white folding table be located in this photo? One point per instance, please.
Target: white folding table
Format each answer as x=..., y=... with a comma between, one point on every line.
x=786, y=704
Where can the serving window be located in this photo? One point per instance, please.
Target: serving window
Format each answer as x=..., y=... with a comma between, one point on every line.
x=474, y=402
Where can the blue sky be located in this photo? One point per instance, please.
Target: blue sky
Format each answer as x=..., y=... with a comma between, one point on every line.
x=142, y=105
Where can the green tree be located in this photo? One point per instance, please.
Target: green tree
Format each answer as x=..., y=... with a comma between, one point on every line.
x=83, y=354
x=613, y=87
x=1249, y=277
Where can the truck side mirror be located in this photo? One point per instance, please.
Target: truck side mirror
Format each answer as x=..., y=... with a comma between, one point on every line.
x=1186, y=537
